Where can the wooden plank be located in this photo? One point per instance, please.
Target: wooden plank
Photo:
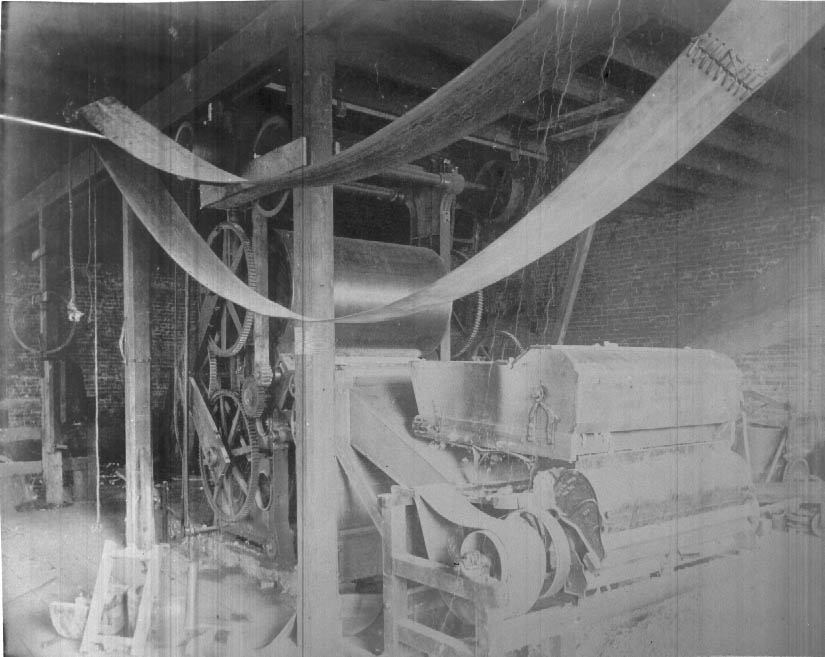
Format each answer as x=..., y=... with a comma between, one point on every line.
x=441, y=577
x=140, y=523
x=588, y=112
x=104, y=572
x=280, y=501
x=319, y=615
x=589, y=129
x=432, y=642
x=571, y=286
x=147, y=603
x=52, y=458
x=19, y=434
x=11, y=468
x=395, y=544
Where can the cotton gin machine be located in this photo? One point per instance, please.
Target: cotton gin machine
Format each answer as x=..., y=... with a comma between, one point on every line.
x=506, y=489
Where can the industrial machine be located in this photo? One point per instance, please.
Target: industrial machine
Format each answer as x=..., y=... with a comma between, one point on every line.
x=530, y=481
x=504, y=490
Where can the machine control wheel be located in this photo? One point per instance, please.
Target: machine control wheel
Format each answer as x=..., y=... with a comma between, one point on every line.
x=231, y=490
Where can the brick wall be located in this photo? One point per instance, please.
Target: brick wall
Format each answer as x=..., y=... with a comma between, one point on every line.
x=22, y=392
x=646, y=277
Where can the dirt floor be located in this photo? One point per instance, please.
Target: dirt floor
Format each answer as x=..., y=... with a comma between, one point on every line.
x=768, y=601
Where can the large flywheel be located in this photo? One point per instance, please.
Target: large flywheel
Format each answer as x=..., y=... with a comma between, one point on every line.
x=230, y=324
x=230, y=469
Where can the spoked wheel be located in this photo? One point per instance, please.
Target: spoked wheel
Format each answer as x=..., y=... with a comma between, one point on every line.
x=230, y=326
x=24, y=322
x=274, y=132
x=230, y=487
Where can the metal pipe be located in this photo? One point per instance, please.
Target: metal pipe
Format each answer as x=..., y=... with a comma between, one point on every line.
x=373, y=191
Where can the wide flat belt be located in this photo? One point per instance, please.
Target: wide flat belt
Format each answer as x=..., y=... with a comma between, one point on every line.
x=719, y=70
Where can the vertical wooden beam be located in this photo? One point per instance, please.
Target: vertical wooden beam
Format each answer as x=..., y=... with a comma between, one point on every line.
x=395, y=541
x=312, y=66
x=445, y=245
x=4, y=332
x=279, y=474
x=140, y=524
x=51, y=457
x=571, y=286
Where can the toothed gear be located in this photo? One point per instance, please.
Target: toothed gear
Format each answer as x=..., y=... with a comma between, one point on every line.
x=232, y=258
x=255, y=397
x=213, y=375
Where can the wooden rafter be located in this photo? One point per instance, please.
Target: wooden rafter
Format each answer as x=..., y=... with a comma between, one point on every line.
x=757, y=110
x=257, y=43
x=594, y=110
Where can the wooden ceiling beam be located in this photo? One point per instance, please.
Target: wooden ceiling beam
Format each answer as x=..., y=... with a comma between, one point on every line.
x=714, y=172
x=698, y=181
x=451, y=38
x=591, y=111
x=358, y=92
x=756, y=109
x=257, y=43
x=766, y=151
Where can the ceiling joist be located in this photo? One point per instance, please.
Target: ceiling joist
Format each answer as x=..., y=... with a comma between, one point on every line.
x=253, y=46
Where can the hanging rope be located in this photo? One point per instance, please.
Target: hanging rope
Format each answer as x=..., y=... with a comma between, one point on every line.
x=74, y=312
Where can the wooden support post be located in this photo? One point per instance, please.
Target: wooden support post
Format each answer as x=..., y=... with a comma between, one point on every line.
x=445, y=245
x=140, y=524
x=319, y=616
x=395, y=543
x=51, y=457
x=571, y=287
x=4, y=332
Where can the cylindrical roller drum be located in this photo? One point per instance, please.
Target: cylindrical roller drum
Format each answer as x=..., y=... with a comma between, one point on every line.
x=367, y=275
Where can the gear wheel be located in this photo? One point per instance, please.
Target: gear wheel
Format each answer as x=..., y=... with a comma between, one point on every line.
x=255, y=397
x=230, y=243
x=232, y=493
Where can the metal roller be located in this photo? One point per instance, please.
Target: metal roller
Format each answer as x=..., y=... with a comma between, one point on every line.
x=367, y=275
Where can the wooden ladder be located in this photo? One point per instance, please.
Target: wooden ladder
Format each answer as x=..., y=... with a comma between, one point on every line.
x=126, y=568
